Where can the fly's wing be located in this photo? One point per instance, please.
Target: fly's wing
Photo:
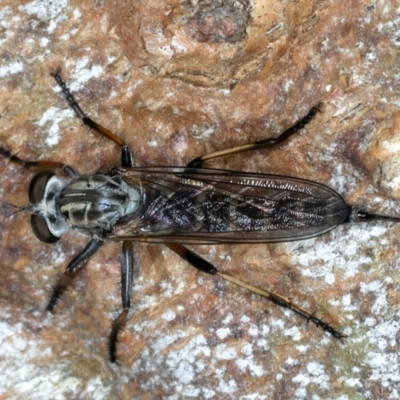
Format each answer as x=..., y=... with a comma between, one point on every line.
x=210, y=206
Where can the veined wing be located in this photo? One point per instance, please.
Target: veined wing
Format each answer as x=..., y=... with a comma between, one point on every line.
x=210, y=206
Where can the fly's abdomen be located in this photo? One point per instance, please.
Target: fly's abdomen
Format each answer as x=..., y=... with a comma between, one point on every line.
x=97, y=202
x=213, y=206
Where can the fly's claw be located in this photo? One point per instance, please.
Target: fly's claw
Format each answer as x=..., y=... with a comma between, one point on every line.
x=326, y=327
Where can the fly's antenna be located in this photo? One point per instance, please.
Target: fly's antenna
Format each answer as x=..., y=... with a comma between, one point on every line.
x=12, y=159
x=18, y=209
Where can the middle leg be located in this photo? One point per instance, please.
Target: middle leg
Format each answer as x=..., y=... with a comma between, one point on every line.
x=126, y=291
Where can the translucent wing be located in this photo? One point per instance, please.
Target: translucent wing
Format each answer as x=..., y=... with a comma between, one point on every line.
x=210, y=206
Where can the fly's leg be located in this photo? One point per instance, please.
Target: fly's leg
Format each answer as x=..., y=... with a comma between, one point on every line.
x=126, y=158
x=126, y=290
x=286, y=303
x=204, y=266
x=260, y=144
x=77, y=263
x=31, y=165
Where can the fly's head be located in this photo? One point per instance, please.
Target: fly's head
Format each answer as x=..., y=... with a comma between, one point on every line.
x=93, y=204
x=47, y=222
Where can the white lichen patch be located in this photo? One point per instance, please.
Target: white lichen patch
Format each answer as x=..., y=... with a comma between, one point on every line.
x=388, y=176
x=169, y=315
x=83, y=71
x=28, y=376
x=12, y=68
x=52, y=118
x=47, y=12
x=318, y=258
x=313, y=375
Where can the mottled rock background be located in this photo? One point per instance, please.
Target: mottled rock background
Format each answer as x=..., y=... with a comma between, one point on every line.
x=176, y=79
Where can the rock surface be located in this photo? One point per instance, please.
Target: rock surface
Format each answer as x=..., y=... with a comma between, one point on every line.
x=174, y=80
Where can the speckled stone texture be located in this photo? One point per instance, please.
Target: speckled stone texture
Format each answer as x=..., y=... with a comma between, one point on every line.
x=177, y=79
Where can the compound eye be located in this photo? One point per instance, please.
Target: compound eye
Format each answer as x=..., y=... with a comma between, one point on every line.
x=41, y=230
x=38, y=185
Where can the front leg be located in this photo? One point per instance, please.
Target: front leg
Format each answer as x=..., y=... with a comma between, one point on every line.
x=77, y=263
x=32, y=165
x=126, y=158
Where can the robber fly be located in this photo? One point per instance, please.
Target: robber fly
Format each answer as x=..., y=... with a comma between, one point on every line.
x=179, y=206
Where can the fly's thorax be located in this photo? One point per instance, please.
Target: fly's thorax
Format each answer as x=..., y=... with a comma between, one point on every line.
x=98, y=202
